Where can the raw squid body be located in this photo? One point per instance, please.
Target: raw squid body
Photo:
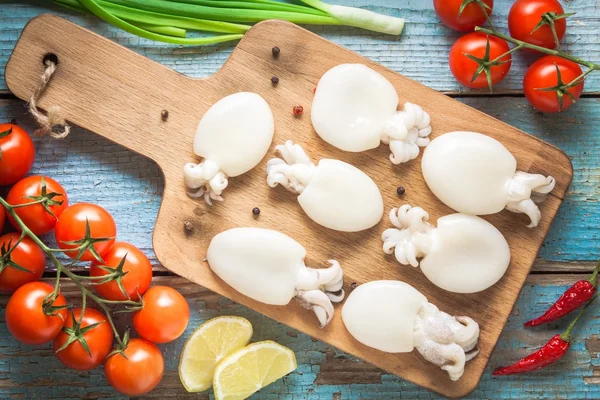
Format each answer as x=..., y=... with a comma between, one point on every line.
x=475, y=174
x=233, y=137
x=464, y=254
x=394, y=317
x=268, y=266
x=334, y=194
x=355, y=108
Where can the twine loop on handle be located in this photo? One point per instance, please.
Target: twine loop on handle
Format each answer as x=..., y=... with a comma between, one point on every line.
x=51, y=123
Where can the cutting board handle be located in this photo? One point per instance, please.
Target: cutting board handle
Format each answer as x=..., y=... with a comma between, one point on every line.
x=102, y=86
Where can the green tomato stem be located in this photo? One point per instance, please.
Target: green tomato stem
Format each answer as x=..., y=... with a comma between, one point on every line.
x=62, y=269
x=540, y=49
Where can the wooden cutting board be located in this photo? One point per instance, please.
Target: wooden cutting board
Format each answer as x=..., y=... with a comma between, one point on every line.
x=119, y=94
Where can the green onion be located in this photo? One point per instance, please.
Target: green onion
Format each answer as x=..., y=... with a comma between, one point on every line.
x=224, y=14
x=126, y=26
x=249, y=4
x=168, y=20
x=163, y=30
x=147, y=17
x=360, y=18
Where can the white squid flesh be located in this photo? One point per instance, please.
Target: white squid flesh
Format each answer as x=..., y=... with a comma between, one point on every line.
x=394, y=317
x=333, y=193
x=464, y=254
x=355, y=109
x=475, y=174
x=233, y=137
x=268, y=266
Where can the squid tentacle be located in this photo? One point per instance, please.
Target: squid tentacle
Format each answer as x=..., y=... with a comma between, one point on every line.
x=525, y=190
x=317, y=301
x=293, y=171
x=410, y=240
x=205, y=180
x=446, y=341
x=405, y=132
x=329, y=280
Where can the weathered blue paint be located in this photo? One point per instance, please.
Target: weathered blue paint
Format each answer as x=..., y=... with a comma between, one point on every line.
x=34, y=373
x=420, y=53
x=130, y=186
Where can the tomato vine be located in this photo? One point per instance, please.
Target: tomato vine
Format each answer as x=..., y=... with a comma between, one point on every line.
x=86, y=243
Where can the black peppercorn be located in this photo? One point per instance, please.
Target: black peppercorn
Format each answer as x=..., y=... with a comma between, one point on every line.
x=353, y=285
x=400, y=190
x=256, y=211
x=164, y=114
x=274, y=80
x=275, y=50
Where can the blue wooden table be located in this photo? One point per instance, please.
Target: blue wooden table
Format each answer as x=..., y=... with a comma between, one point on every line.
x=129, y=186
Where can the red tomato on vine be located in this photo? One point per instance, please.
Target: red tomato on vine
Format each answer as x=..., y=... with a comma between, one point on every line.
x=16, y=153
x=551, y=84
x=85, y=223
x=40, y=218
x=29, y=319
x=164, y=316
x=132, y=268
x=474, y=60
x=531, y=21
x=24, y=264
x=465, y=20
x=2, y=217
x=138, y=370
x=84, y=343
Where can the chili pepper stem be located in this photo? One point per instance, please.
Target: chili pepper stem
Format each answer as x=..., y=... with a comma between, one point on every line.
x=567, y=333
x=594, y=278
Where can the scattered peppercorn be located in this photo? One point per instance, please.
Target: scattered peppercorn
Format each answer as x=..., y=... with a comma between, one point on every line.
x=275, y=50
x=400, y=190
x=274, y=80
x=256, y=211
x=353, y=285
x=298, y=110
x=188, y=227
x=164, y=114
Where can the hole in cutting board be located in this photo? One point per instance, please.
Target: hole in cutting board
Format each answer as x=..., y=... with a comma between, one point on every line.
x=50, y=58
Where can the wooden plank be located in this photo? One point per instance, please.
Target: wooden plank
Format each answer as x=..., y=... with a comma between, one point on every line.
x=421, y=53
x=323, y=371
x=123, y=101
x=130, y=186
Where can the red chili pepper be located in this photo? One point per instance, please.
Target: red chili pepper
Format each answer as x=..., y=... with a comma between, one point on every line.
x=550, y=353
x=575, y=296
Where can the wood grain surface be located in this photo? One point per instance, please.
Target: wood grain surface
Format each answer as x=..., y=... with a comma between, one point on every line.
x=324, y=373
x=421, y=53
x=126, y=99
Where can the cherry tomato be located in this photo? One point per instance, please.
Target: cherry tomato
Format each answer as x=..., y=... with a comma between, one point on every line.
x=542, y=74
x=26, y=255
x=16, y=153
x=140, y=372
x=472, y=15
x=136, y=267
x=25, y=317
x=164, y=317
x=475, y=44
x=36, y=217
x=2, y=217
x=71, y=226
x=99, y=340
x=524, y=16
